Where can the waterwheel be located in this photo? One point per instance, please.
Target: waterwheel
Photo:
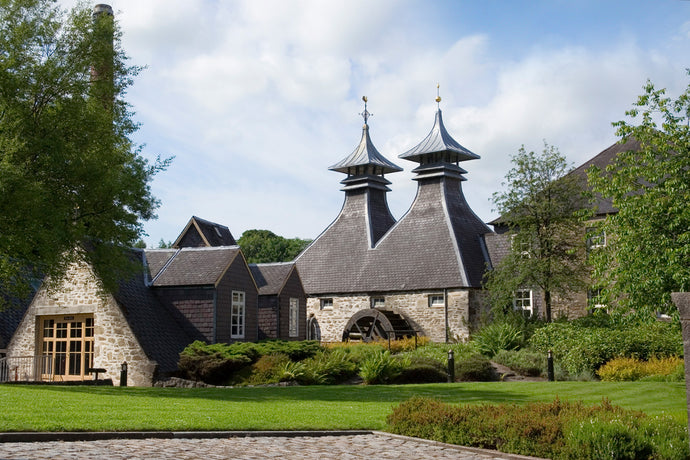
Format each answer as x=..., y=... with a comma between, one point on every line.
x=374, y=324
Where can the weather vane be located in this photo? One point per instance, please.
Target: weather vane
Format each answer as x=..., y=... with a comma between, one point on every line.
x=438, y=94
x=366, y=113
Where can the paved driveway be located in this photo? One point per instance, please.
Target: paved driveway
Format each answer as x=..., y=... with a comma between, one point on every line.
x=372, y=445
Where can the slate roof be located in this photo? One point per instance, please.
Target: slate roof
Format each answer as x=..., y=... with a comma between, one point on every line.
x=161, y=337
x=210, y=233
x=192, y=266
x=271, y=277
x=437, y=244
x=365, y=159
x=601, y=160
x=438, y=144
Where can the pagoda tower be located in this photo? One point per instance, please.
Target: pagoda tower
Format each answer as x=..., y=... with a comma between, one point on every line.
x=439, y=242
x=333, y=262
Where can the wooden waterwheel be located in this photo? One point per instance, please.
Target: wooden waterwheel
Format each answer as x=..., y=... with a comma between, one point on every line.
x=374, y=324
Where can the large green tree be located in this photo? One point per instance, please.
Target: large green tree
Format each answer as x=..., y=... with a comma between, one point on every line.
x=73, y=186
x=260, y=246
x=648, y=249
x=542, y=205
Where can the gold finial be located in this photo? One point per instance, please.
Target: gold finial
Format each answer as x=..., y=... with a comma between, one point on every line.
x=366, y=113
x=438, y=95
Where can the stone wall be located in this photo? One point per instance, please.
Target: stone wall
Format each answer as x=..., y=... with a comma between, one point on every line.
x=114, y=341
x=429, y=321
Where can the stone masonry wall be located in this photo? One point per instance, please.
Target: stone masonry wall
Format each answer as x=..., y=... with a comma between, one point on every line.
x=114, y=341
x=429, y=321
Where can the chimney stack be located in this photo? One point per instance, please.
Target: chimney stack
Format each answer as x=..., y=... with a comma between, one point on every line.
x=102, y=77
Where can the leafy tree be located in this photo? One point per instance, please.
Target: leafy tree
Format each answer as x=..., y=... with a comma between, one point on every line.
x=648, y=250
x=73, y=186
x=543, y=208
x=260, y=246
x=163, y=245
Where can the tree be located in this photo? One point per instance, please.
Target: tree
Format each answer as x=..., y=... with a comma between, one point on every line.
x=543, y=208
x=260, y=246
x=73, y=186
x=648, y=252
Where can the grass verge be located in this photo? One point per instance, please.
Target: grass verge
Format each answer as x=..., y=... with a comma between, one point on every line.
x=87, y=408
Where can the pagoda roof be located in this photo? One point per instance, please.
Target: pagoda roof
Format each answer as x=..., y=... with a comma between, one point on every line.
x=438, y=145
x=365, y=159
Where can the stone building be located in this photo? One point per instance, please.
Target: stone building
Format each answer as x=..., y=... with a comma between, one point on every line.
x=369, y=276
x=576, y=304
x=202, y=289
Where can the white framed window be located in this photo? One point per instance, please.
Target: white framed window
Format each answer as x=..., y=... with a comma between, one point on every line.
x=595, y=298
x=520, y=246
x=327, y=304
x=378, y=302
x=522, y=301
x=436, y=300
x=293, y=317
x=596, y=238
x=237, y=315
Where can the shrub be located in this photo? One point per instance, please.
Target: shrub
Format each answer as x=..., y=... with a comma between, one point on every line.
x=439, y=352
x=212, y=364
x=584, y=349
x=268, y=369
x=295, y=350
x=559, y=430
x=476, y=368
x=498, y=336
x=524, y=361
x=381, y=368
x=422, y=369
x=627, y=369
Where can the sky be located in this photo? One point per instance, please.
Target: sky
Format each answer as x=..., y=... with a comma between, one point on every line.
x=256, y=99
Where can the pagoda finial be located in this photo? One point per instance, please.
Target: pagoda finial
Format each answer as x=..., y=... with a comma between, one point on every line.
x=438, y=95
x=366, y=113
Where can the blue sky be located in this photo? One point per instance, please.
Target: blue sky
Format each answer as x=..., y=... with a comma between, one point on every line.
x=257, y=98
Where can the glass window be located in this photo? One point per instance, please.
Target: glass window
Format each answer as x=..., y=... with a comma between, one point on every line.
x=523, y=301
x=326, y=304
x=378, y=302
x=237, y=315
x=596, y=238
x=436, y=300
x=67, y=343
x=294, y=317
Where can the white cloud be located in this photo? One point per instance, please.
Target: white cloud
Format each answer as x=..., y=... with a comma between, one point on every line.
x=257, y=98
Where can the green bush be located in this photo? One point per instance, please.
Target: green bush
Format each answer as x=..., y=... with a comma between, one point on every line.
x=439, y=352
x=524, y=361
x=381, y=368
x=498, y=336
x=422, y=369
x=557, y=430
x=581, y=349
x=212, y=364
x=268, y=369
x=476, y=368
x=295, y=350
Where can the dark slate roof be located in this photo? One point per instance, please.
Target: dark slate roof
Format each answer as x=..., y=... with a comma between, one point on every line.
x=156, y=260
x=601, y=160
x=365, y=159
x=438, y=144
x=437, y=244
x=210, y=233
x=195, y=266
x=10, y=318
x=270, y=278
x=161, y=337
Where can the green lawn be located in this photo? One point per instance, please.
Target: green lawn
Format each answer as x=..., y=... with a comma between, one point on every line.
x=86, y=408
